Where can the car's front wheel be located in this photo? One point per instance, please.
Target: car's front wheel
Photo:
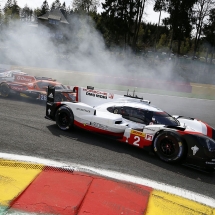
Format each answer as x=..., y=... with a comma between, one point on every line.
x=64, y=118
x=169, y=147
x=5, y=90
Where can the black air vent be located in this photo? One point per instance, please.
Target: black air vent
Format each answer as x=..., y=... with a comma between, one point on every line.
x=118, y=122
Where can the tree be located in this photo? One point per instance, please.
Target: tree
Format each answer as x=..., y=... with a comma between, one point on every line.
x=209, y=31
x=159, y=6
x=63, y=6
x=56, y=4
x=139, y=8
x=15, y=9
x=7, y=6
x=125, y=17
x=180, y=20
x=201, y=12
x=163, y=41
x=44, y=9
x=26, y=13
x=11, y=10
x=0, y=13
x=117, y=18
x=86, y=6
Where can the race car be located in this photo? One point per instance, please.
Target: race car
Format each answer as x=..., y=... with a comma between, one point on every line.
x=32, y=87
x=135, y=121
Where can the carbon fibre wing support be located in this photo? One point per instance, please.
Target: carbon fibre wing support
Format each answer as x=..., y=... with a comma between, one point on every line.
x=50, y=101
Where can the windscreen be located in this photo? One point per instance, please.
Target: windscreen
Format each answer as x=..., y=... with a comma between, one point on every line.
x=144, y=116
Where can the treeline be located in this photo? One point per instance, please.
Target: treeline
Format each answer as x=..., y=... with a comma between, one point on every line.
x=188, y=30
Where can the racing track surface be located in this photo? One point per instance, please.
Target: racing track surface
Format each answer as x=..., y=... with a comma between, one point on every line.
x=24, y=131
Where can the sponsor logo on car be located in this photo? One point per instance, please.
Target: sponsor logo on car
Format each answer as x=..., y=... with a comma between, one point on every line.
x=24, y=78
x=81, y=109
x=211, y=163
x=149, y=137
x=138, y=133
x=96, y=93
x=49, y=111
x=51, y=95
x=17, y=88
x=98, y=125
x=195, y=149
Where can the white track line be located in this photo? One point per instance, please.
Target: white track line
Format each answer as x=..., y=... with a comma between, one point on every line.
x=116, y=175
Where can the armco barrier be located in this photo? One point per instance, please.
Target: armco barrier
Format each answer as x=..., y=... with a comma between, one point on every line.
x=33, y=188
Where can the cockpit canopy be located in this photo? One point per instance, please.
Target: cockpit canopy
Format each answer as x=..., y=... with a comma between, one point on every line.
x=143, y=116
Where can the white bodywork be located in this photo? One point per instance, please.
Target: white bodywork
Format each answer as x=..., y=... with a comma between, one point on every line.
x=193, y=124
x=84, y=114
x=102, y=100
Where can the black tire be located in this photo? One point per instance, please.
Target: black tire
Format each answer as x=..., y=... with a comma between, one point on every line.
x=64, y=118
x=169, y=147
x=5, y=90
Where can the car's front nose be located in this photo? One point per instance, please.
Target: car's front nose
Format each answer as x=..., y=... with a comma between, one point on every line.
x=209, y=151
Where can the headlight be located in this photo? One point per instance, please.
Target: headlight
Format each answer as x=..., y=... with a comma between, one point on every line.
x=208, y=142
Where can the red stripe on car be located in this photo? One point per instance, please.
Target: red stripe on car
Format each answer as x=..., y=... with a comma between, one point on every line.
x=209, y=130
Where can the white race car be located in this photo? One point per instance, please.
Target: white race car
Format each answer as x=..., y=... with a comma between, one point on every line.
x=133, y=120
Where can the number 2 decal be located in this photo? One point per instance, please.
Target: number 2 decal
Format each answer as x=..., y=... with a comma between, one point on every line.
x=137, y=140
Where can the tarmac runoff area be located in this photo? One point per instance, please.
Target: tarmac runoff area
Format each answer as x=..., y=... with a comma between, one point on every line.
x=31, y=185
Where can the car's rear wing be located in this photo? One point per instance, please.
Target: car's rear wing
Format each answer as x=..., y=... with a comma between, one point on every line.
x=50, y=101
x=52, y=92
x=93, y=97
x=51, y=97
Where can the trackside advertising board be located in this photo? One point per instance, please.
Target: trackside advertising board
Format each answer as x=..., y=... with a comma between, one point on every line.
x=94, y=97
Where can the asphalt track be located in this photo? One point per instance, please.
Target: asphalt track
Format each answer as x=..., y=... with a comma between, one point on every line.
x=24, y=131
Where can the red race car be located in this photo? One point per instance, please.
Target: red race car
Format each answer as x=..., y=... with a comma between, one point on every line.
x=33, y=87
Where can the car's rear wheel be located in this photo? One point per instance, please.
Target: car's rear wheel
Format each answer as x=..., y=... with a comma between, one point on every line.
x=169, y=147
x=5, y=90
x=64, y=118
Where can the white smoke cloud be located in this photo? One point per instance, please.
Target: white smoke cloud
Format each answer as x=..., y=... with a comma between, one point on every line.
x=85, y=52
